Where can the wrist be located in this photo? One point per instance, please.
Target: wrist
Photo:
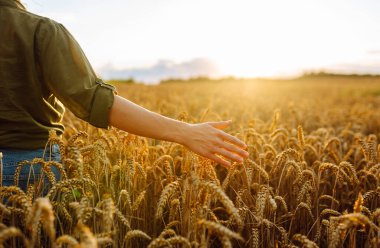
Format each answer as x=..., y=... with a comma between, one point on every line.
x=179, y=134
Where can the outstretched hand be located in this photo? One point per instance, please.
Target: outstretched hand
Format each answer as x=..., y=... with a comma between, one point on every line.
x=208, y=140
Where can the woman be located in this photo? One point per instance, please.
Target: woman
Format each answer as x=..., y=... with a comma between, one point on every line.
x=42, y=68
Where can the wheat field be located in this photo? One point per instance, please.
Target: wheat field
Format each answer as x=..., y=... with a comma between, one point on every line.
x=311, y=179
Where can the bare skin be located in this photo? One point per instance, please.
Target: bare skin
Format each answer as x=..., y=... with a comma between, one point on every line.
x=206, y=139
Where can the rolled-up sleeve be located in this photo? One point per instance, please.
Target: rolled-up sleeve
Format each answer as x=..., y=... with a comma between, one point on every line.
x=67, y=73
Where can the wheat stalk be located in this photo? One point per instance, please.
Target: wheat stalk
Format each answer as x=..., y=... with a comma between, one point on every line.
x=219, y=229
x=169, y=190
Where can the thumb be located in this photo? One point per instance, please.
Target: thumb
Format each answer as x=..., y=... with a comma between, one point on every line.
x=220, y=124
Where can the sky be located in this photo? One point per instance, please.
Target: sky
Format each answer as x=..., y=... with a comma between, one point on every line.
x=151, y=40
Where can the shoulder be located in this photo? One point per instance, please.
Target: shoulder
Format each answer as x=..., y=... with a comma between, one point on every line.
x=28, y=22
x=48, y=29
x=29, y=17
x=47, y=24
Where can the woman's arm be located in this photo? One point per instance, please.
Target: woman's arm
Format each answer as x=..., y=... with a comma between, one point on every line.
x=205, y=139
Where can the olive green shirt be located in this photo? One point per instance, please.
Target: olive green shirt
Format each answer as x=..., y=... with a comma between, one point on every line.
x=43, y=69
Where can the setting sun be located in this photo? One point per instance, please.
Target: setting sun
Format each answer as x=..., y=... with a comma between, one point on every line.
x=239, y=38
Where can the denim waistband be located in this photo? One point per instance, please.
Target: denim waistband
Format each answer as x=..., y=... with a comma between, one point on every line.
x=12, y=157
x=28, y=174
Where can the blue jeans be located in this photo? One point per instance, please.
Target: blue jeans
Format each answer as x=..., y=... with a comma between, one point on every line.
x=28, y=174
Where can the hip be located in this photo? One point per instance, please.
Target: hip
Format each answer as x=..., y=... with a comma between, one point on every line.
x=18, y=166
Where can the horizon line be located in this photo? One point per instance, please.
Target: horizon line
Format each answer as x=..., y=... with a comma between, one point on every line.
x=314, y=74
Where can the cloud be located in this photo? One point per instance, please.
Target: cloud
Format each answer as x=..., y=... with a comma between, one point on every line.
x=163, y=69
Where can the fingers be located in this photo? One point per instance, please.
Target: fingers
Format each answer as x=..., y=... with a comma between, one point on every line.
x=229, y=155
x=232, y=139
x=226, y=136
x=209, y=141
x=220, y=124
x=219, y=160
x=234, y=149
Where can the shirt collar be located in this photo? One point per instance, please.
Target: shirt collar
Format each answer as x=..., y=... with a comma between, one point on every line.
x=11, y=3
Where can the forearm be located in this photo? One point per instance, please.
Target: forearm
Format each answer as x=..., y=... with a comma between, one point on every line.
x=135, y=119
x=204, y=139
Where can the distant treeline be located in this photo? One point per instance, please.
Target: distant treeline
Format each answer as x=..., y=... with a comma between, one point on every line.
x=126, y=81
x=305, y=76
x=336, y=75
